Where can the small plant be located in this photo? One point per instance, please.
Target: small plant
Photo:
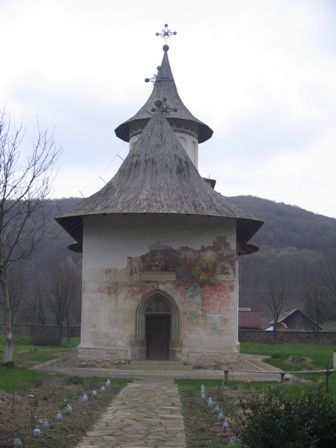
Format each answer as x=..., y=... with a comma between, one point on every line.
x=75, y=380
x=64, y=403
x=33, y=419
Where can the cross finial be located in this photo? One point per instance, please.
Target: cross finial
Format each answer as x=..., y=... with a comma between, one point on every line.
x=165, y=108
x=153, y=78
x=166, y=33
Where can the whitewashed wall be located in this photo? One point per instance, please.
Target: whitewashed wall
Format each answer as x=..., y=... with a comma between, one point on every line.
x=208, y=314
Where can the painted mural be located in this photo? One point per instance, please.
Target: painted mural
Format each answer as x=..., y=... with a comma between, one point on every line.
x=199, y=279
x=206, y=265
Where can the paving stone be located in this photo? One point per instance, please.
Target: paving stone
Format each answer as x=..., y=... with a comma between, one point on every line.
x=146, y=413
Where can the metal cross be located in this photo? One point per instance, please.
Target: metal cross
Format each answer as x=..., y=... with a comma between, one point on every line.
x=153, y=78
x=166, y=33
x=165, y=108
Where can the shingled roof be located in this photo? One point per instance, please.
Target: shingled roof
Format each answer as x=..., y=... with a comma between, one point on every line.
x=164, y=87
x=158, y=177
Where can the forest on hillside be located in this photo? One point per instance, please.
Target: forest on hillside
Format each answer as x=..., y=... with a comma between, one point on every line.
x=292, y=268
x=296, y=258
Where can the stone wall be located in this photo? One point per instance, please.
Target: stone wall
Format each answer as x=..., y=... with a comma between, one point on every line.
x=283, y=337
x=101, y=357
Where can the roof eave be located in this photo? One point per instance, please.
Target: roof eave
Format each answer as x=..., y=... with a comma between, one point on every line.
x=122, y=131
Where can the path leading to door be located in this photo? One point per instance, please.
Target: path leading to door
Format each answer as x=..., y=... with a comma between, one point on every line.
x=146, y=413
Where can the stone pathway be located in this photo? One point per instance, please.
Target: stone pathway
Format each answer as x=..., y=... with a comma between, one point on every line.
x=146, y=413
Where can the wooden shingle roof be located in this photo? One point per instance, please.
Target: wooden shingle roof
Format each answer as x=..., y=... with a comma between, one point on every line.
x=164, y=87
x=158, y=177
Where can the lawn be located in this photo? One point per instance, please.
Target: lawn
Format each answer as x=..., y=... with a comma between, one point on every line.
x=27, y=355
x=293, y=356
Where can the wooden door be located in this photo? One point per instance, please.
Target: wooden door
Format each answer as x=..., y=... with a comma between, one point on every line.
x=157, y=336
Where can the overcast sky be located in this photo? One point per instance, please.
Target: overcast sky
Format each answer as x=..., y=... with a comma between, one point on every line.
x=260, y=73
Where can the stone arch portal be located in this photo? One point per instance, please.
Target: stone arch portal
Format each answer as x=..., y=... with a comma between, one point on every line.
x=157, y=328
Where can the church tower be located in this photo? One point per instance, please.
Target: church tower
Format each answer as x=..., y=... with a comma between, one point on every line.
x=160, y=246
x=189, y=130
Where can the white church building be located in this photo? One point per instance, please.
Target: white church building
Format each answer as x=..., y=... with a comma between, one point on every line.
x=160, y=246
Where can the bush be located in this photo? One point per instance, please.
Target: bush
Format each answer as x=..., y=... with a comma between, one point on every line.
x=43, y=336
x=278, y=421
x=75, y=379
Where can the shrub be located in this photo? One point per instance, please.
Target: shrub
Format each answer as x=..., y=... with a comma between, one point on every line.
x=75, y=379
x=43, y=336
x=279, y=421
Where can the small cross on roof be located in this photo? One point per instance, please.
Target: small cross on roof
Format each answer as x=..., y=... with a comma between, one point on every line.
x=166, y=33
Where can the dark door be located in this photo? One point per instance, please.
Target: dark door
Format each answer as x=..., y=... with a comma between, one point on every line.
x=157, y=336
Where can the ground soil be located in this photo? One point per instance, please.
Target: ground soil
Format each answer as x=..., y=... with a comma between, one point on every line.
x=203, y=428
x=22, y=411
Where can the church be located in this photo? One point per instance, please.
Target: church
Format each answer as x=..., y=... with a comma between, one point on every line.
x=160, y=246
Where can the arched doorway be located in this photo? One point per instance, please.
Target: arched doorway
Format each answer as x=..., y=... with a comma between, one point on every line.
x=157, y=327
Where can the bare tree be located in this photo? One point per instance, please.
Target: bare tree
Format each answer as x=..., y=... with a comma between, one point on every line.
x=25, y=185
x=17, y=280
x=64, y=293
x=36, y=305
x=315, y=296
x=275, y=297
x=328, y=275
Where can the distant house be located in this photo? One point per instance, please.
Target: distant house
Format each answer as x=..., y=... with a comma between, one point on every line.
x=294, y=320
x=249, y=320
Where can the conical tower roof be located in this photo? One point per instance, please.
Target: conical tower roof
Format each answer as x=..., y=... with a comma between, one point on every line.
x=158, y=177
x=164, y=87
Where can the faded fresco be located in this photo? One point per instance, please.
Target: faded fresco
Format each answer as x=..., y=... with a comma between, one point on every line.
x=208, y=265
x=200, y=280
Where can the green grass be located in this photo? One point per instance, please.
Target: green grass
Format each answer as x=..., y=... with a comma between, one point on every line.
x=293, y=356
x=296, y=357
x=35, y=356
x=196, y=384
x=287, y=388
x=12, y=378
x=28, y=354
x=23, y=343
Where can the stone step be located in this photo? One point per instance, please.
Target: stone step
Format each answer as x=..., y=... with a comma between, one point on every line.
x=155, y=365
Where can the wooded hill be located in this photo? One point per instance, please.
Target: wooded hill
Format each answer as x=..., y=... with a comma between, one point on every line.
x=293, y=243
x=289, y=226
